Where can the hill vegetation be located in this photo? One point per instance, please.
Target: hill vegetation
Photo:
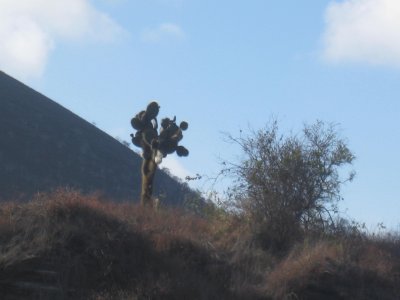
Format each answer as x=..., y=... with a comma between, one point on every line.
x=68, y=246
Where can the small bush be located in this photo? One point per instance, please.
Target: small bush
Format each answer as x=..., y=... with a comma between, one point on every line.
x=286, y=185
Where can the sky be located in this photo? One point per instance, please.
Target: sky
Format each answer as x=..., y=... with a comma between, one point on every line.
x=224, y=66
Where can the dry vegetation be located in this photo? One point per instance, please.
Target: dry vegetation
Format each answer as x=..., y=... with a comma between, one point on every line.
x=68, y=246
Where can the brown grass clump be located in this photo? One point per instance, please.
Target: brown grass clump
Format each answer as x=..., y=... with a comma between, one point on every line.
x=335, y=270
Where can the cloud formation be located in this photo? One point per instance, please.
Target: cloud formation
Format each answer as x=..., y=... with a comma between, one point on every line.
x=30, y=29
x=363, y=31
x=164, y=31
x=175, y=167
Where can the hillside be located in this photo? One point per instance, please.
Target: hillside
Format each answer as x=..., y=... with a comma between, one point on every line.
x=69, y=246
x=44, y=146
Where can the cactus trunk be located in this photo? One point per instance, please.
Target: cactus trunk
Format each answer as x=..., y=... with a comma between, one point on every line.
x=149, y=168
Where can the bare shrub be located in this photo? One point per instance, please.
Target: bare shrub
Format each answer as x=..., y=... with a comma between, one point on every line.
x=287, y=184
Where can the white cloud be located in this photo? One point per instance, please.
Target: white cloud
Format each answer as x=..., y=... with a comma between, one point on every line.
x=30, y=29
x=163, y=32
x=363, y=31
x=175, y=167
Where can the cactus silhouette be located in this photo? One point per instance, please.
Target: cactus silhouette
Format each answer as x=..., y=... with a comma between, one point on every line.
x=155, y=144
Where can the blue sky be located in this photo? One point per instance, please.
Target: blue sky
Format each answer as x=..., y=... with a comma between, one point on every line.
x=224, y=66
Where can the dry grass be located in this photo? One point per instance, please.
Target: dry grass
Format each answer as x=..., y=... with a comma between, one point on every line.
x=102, y=250
x=105, y=249
x=335, y=270
x=296, y=271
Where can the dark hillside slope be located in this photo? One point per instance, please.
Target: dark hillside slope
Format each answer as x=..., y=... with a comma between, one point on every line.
x=44, y=146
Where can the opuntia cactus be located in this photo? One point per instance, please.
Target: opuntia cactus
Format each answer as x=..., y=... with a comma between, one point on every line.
x=155, y=145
